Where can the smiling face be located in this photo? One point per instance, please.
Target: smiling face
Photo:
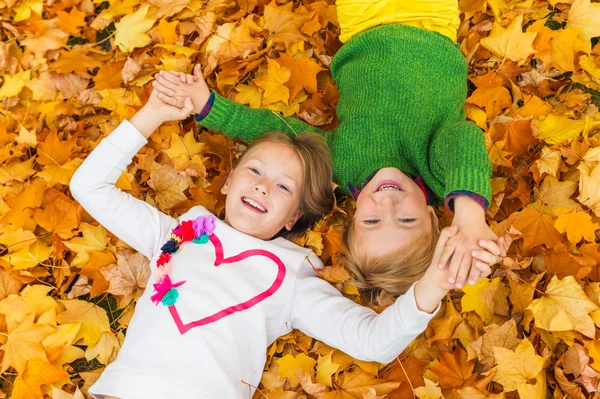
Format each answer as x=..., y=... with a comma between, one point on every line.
x=391, y=213
x=264, y=190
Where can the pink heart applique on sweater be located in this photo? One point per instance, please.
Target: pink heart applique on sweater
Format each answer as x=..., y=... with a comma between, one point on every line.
x=221, y=261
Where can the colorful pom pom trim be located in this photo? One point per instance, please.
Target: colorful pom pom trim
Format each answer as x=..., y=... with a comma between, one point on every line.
x=196, y=231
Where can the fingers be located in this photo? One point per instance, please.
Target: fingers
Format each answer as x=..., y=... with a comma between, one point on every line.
x=176, y=102
x=160, y=87
x=474, y=273
x=501, y=242
x=446, y=234
x=188, y=106
x=443, y=251
x=197, y=71
x=485, y=256
x=490, y=246
x=455, y=263
x=446, y=254
x=170, y=80
x=463, y=270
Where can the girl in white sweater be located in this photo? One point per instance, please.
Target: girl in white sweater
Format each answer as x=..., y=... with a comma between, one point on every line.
x=223, y=291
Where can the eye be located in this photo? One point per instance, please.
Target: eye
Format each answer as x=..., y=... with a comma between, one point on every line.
x=406, y=220
x=372, y=221
x=281, y=186
x=254, y=171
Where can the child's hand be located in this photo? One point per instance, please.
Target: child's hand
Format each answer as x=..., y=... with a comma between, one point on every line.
x=434, y=285
x=155, y=112
x=166, y=112
x=174, y=86
x=470, y=218
x=449, y=244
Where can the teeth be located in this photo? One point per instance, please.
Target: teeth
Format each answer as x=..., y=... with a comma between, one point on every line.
x=254, y=204
x=388, y=187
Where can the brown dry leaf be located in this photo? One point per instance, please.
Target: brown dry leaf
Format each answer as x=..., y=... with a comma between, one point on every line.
x=504, y=336
x=169, y=185
x=453, y=369
x=128, y=277
x=284, y=24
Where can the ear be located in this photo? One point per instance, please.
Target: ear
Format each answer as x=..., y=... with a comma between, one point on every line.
x=225, y=188
x=436, y=221
x=290, y=224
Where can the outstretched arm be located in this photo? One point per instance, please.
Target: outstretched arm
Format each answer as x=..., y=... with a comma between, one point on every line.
x=134, y=221
x=319, y=310
x=220, y=114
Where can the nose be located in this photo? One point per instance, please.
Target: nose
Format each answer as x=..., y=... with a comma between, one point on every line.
x=388, y=201
x=261, y=188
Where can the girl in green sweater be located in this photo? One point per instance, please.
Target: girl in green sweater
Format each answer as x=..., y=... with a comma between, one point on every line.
x=402, y=144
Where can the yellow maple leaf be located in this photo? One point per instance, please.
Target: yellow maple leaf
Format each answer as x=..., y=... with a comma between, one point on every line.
x=37, y=299
x=60, y=215
x=72, y=21
x=178, y=50
x=537, y=229
x=285, y=24
x=564, y=307
x=184, y=147
x=326, y=367
x=13, y=84
x=289, y=365
x=249, y=95
x=563, y=47
x=492, y=99
x=167, y=30
x=24, y=9
x=93, y=319
x=273, y=83
x=555, y=129
x=556, y=194
x=131, y=30
x=303, y=73
x=28, y=137
x=103, y=349
x=37, y=373
x=510, y=42
x=37, y=253
x=589, y=188
x=230, y=41
x=112, y=99
x=60, y=174
x=94, y=239
x=576, y=224
x=585, y=16
x=24, y=344
x=429, y=391
x=517, y=368
x=549, y=161
x=486, y=298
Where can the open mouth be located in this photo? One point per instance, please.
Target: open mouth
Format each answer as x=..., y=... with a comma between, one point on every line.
x=388, y=185
x=253, y=205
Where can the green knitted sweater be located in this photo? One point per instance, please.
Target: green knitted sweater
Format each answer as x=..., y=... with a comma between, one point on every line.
x=402, y=92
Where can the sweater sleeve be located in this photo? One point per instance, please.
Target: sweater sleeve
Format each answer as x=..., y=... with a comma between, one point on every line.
x=240, y=122
x=458, y=156
x=134, y=221
x=322, y=312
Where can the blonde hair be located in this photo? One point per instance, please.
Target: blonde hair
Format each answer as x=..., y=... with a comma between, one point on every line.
x=392, y=273
x=316, y=196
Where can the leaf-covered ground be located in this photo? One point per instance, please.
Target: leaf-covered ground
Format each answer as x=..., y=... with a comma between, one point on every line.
x=71, y=70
